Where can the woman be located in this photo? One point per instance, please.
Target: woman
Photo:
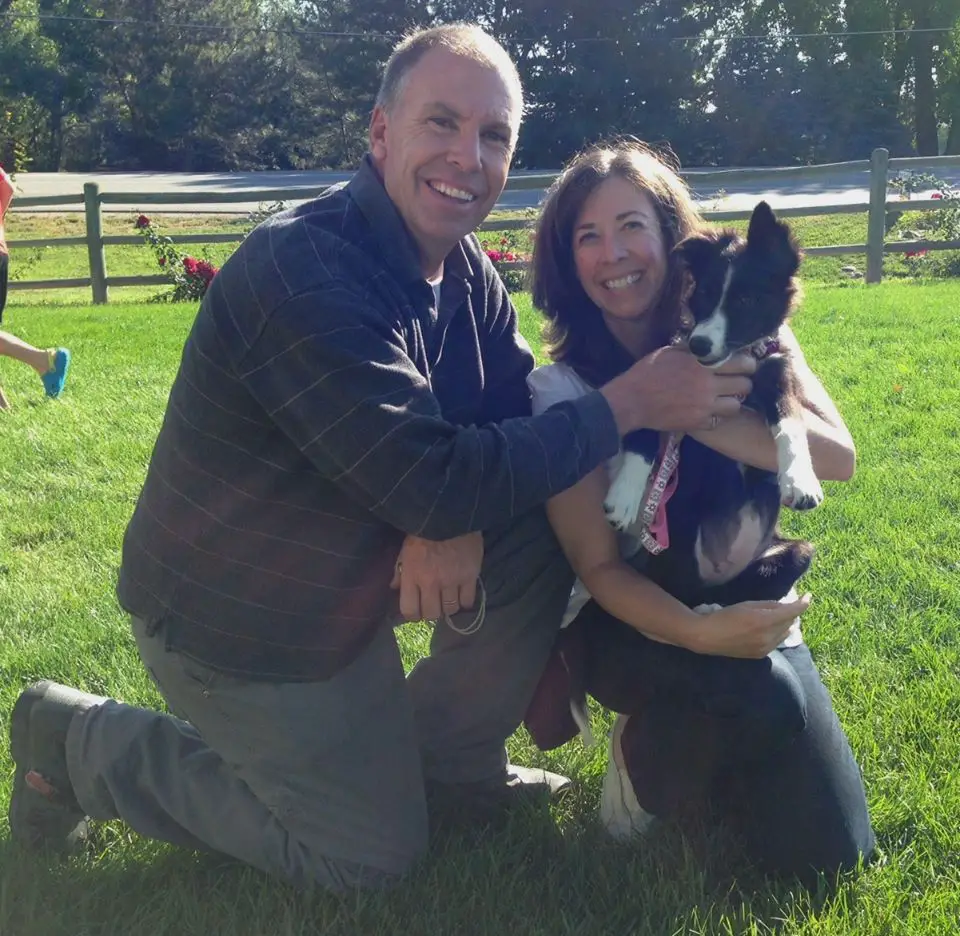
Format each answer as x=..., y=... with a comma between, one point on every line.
x=713, y=718
x=51, y=364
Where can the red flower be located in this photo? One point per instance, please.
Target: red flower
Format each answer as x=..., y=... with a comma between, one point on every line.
x=190, y=265
x=915, y=253
x=206, y=271
x=142, y=222
x=937, y=195
x=162, y=261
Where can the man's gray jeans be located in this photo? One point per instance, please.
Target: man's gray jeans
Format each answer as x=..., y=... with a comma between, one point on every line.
x=323, y=782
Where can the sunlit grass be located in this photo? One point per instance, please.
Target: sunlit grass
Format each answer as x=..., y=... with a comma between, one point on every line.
x=883, y=628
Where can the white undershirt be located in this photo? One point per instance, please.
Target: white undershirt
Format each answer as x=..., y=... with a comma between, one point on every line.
x=436, y=285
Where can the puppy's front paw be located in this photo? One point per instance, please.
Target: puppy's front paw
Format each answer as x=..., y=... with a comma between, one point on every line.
x=800, y=489
x=799, y=485
x=622, y=504
x=625, y=497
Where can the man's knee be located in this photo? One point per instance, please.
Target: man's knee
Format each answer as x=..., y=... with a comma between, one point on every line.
x=387, y=864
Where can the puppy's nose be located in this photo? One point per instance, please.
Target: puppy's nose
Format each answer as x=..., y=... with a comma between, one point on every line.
x=699, y=345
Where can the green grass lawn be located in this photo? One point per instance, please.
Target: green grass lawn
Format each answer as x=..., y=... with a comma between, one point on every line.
x=884, y=628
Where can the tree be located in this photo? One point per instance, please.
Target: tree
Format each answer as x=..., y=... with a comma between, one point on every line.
x=951, y=92
x=336, y=54
x=177, y=85
x=912, y=52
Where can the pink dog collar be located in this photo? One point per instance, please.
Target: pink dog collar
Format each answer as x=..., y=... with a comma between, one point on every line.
x=654, y=534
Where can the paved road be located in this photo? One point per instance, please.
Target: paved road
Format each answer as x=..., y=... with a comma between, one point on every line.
x=837, y=185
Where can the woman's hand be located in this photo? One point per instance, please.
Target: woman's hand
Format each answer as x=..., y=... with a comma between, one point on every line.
x=745, y=437
x=750, y=629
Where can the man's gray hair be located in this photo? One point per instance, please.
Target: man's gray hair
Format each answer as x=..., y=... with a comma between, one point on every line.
x=464, y=39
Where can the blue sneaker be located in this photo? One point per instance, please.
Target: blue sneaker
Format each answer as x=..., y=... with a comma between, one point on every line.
x=56, y=377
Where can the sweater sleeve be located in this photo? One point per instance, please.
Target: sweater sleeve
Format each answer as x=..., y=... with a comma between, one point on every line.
x=342, y=387
x=508, y=358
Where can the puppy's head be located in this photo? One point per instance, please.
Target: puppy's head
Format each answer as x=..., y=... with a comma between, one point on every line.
x=743, y=290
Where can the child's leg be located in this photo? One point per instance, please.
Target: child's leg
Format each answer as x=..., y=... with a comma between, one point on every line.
x=13, y=347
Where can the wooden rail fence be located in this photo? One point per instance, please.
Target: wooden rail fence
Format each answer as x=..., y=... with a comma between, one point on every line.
x=879, y=165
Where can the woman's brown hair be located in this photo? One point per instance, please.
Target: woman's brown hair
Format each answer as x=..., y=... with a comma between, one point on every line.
x=574, y=331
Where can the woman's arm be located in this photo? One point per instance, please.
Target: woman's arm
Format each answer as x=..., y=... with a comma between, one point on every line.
x=749, y=629
x=746, y=437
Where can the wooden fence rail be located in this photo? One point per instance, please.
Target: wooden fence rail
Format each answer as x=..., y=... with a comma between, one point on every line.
x=879, y=166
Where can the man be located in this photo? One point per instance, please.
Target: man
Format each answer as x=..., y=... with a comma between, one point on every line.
x=350, y=420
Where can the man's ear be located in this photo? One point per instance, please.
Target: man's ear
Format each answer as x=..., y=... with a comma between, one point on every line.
x=378, y=133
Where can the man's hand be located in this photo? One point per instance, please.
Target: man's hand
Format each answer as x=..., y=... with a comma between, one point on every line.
x=671, y=391
x=437, y=577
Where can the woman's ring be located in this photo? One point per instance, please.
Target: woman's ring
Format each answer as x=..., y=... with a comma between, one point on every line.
x=714, y=421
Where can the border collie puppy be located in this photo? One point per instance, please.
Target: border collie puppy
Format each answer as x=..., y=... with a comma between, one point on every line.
x=722, y=514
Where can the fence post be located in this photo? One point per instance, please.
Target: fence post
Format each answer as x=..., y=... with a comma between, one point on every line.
x=877, y=218
x=95, y=251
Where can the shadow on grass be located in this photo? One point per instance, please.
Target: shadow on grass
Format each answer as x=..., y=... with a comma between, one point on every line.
x=537, y=874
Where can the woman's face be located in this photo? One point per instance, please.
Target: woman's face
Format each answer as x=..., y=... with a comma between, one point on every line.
x=619, y=252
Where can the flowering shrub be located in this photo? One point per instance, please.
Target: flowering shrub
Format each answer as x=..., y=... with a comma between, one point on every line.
x=943, y=224
x=190, y=276
x=503, y=248
x=262, y=212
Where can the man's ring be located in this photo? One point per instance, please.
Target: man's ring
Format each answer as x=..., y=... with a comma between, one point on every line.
x=399, y=567
x=714, y=421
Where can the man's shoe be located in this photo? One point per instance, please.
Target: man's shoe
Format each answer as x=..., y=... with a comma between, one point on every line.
x=43, y=809
x=56, y=376
x=489, y=801
x=620, y=813
x=535, y=780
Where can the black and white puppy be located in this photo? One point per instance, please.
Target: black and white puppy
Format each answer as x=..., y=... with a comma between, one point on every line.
x=723, y=515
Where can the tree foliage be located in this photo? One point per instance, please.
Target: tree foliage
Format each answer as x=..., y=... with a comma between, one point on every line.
x=285, y=84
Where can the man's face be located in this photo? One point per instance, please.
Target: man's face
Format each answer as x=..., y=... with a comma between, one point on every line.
x=444, y=148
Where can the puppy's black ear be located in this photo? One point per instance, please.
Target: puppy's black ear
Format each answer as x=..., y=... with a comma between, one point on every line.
x=695, y=251
x=763, y=223
x=773, y=239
